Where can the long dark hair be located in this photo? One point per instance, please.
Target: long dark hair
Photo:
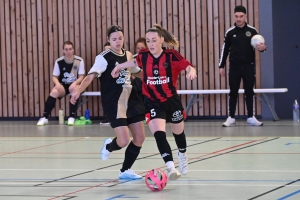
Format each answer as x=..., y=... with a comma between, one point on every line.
x=169, y=38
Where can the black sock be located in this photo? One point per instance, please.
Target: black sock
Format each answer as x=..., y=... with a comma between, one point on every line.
x=131, y=154
x=49, y=105
x=181, y=142
x=73, y=109
x=113, y=146
x=163, y=146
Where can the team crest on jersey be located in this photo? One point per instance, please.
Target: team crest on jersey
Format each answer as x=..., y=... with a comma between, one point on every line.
x=248, y=33
x=166, y=65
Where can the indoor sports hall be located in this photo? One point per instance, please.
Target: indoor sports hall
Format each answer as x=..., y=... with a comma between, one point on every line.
x=229, y=157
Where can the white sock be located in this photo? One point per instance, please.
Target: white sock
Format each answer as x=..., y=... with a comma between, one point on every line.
x=170, y=164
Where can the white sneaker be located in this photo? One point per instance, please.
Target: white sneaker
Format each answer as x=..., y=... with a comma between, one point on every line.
x=252, y=121
x=173, y=174
x=129, y=174
x=71, y=121
x=229, y=122
x=43, y=121
x=183, y=163
x=104, y=153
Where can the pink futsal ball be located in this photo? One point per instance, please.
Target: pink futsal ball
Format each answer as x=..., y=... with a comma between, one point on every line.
x=156, y=180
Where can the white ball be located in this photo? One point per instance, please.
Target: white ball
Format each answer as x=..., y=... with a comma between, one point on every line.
x=256, y=39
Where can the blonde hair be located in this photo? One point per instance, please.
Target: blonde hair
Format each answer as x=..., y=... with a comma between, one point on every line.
x=169, y=38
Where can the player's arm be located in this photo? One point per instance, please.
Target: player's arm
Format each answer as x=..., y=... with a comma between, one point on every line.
x=55, y=75
x=191, y=72
x=179, y=62
x=98, y=68
x=129, y=64
x=55, y=80
x=136, y=71
x=81, y=73
x=86, y=82
x=224, y=55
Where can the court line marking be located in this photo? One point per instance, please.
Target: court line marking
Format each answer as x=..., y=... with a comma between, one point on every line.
x=145, y=153
x=118, y=164
x=282, y=186
x=77, y=191
x=30, y=196
x=142, y=170
x=262, y=141
x=289, y=195
x=216, y=155
x=14, y=152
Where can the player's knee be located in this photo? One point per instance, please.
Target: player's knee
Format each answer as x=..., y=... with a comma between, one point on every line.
x=139, y=140
x=123, y=142
x=54, y=93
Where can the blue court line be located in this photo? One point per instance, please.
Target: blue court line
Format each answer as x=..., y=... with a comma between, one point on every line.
x=121, y=196
x=291, y=143
x=289, y=195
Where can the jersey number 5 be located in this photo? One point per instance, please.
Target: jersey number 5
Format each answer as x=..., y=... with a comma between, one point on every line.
x=153, y=113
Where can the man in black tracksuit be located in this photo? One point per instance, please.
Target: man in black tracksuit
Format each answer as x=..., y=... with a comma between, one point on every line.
x=237, y=43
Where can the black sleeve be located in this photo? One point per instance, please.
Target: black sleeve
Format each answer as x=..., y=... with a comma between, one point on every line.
x=225, y=51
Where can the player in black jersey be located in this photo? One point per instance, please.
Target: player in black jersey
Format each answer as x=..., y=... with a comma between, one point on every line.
x=161, y=68
x=137, y=82
x=105, y=120
x=68, y=73
x=237, y=44
x=121, y=104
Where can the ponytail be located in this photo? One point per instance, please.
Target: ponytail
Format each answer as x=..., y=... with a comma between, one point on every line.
x=169, y=38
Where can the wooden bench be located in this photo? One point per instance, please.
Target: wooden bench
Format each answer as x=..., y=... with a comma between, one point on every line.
x=202, y=93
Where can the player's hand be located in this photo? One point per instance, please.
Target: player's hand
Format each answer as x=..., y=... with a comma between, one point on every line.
x=115, y=72
x=222, y=72
x=74, y=97
x=261, y=47
x=191, y=75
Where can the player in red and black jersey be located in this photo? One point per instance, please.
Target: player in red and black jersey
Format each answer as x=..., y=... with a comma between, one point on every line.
x=160, y=72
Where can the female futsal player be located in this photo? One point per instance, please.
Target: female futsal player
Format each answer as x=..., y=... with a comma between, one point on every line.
x=161, y=68
x=121, y=104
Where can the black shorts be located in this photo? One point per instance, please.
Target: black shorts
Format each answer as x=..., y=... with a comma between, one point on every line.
x=66, y=87
x=126, y=121
x=171, y=110
x=125, y=110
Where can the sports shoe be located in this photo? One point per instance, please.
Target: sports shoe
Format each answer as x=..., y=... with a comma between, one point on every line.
x=104, y=122
x=104, y=153
x=71, y=121
x=173, y=174
x=252, y=121
x=43, y=121
x=183, y=163
x=229, y=122
x=129, y=174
